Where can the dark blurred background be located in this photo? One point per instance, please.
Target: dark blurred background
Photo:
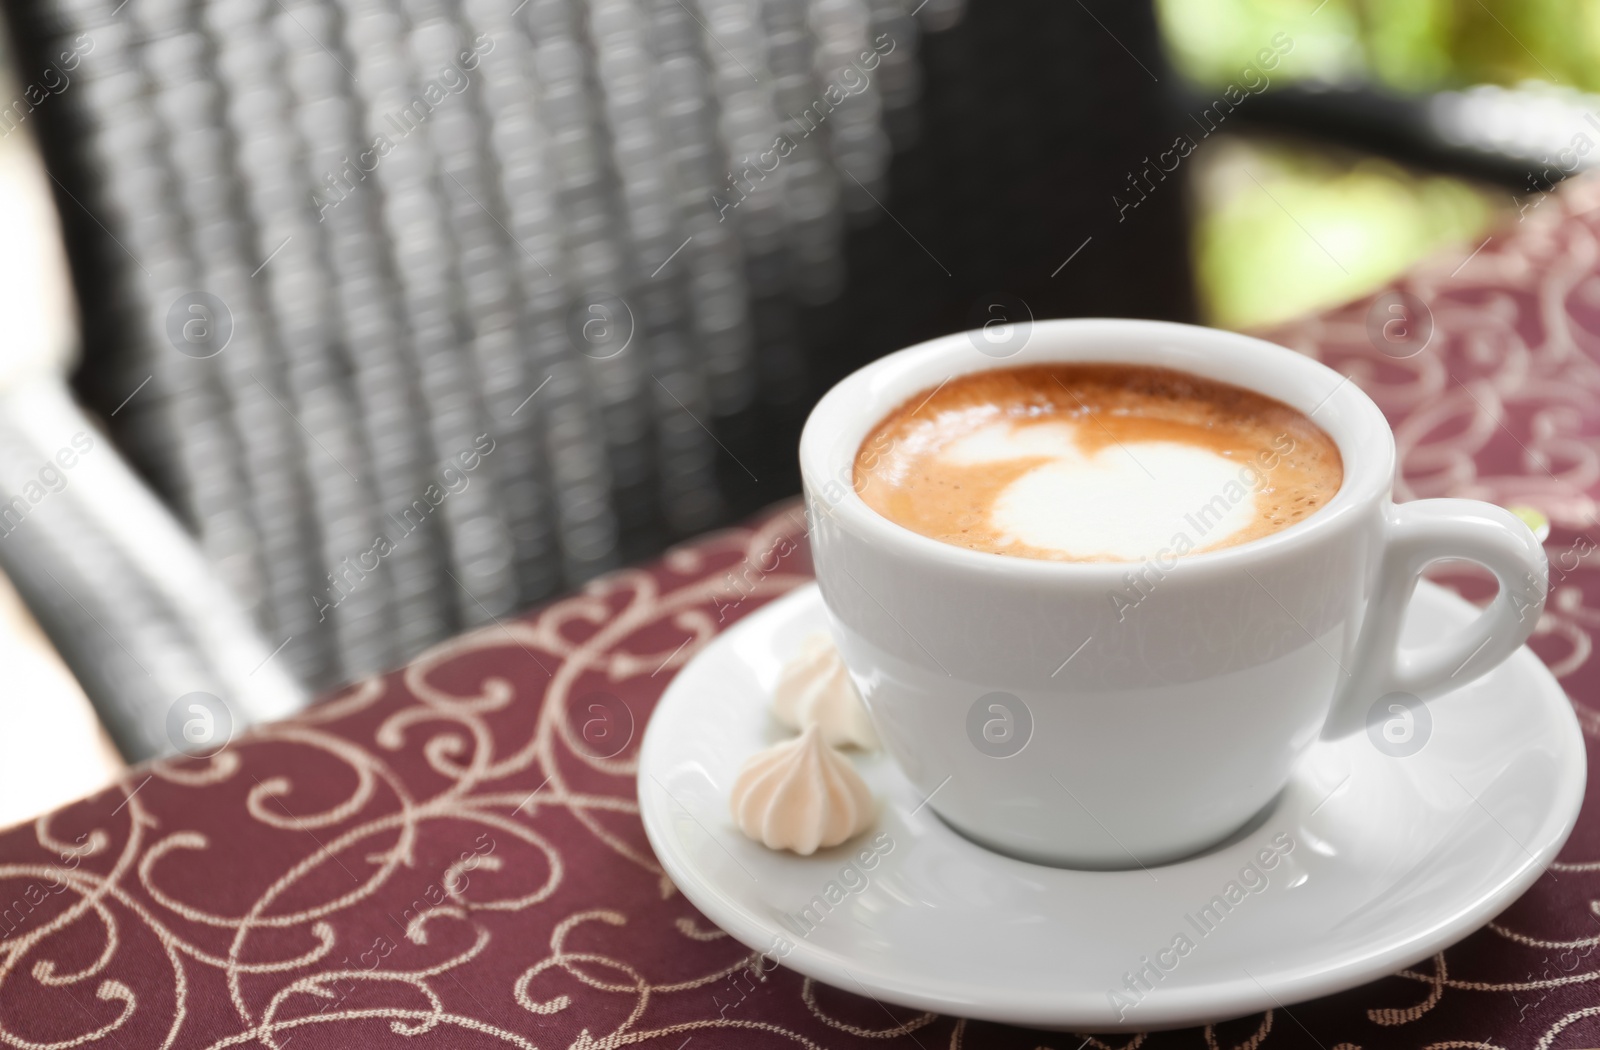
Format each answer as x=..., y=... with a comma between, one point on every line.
x=353, y=396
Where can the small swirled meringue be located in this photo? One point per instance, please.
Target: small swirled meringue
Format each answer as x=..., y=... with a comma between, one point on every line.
x=800, y=795
x=815, y=689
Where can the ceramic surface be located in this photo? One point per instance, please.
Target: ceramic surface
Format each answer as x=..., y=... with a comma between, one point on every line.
x=1378, y=858
x=1172, y=698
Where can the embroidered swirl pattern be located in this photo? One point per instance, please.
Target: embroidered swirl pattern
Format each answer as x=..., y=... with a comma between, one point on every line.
x=451, y=856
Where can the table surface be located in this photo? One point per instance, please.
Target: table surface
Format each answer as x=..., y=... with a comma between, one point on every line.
x=439, y=857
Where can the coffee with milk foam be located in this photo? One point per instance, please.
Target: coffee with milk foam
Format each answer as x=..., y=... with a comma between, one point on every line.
x=1095, y=462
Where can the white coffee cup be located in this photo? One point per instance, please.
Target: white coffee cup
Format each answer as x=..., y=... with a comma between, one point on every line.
x=1046, y=720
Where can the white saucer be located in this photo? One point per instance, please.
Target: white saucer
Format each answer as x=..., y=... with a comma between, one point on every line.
x=1393, y=858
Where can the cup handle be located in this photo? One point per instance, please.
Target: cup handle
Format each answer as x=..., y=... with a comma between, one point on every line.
x=1416, y=535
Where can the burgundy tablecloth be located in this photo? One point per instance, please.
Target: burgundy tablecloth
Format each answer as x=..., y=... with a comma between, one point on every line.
x=451, y=856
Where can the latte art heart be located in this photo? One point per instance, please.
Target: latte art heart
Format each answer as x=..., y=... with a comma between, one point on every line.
x=1121, y=502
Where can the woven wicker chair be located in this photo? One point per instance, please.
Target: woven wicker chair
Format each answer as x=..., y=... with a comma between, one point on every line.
x=419, y=312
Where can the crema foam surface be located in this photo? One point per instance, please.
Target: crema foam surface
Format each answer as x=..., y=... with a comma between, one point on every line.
x=1095, y=462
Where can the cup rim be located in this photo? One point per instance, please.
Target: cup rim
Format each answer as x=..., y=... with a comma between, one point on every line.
x=848, y=412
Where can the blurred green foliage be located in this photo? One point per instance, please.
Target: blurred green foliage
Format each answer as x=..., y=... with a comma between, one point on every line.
x=1413, y=45
x=1282, y=229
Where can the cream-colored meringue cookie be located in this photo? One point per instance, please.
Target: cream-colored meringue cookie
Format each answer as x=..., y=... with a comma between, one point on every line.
x=800, y=795
x=814, y=688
